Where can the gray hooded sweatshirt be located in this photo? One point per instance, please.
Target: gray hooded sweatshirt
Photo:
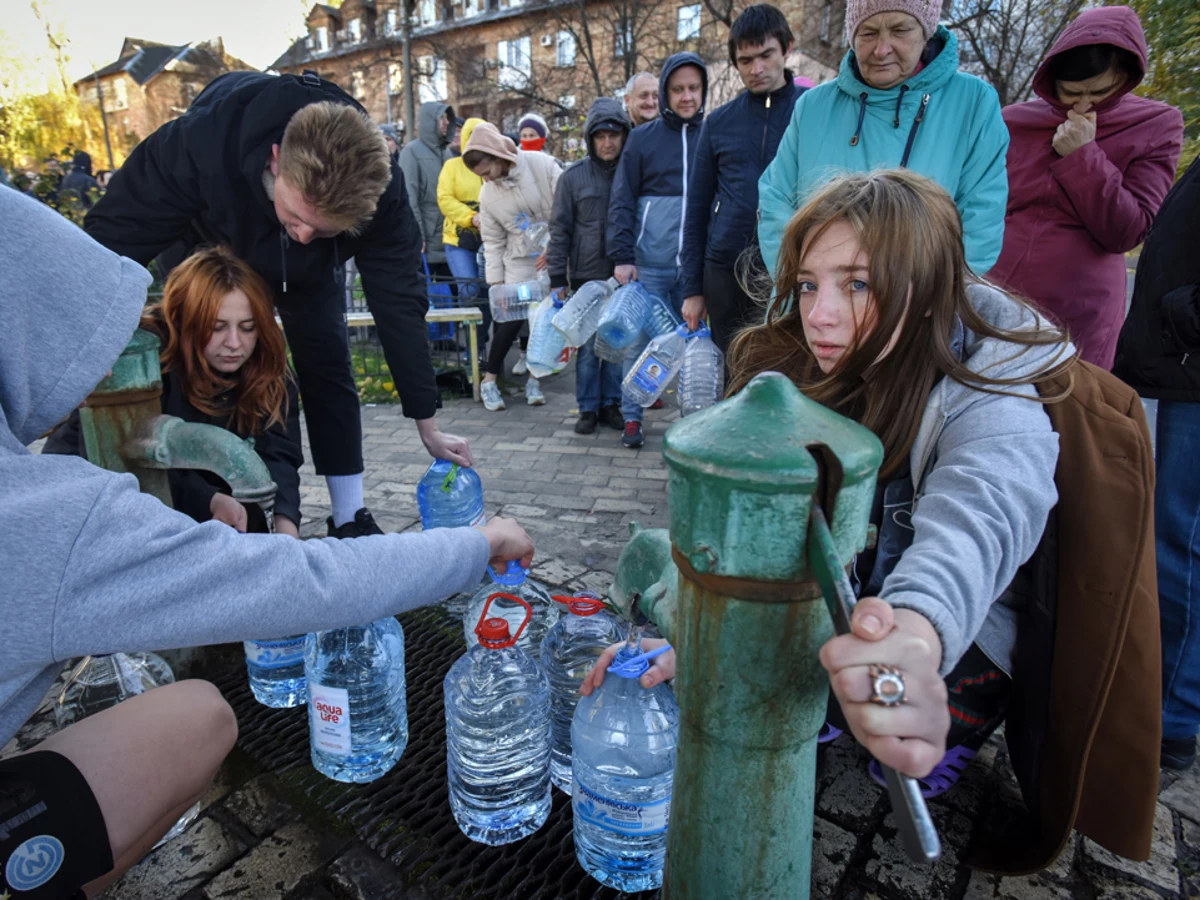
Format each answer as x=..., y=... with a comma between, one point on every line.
x=421, y=162
x=93, y=566
x=983, y=470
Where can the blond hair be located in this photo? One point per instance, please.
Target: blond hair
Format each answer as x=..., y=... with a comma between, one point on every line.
x=336, y=157
x=912, y=234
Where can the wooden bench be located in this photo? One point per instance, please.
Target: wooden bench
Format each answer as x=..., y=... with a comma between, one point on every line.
x=471, y=316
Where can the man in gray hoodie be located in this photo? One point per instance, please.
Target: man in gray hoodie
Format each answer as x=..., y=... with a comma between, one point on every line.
x=93, y=566
x=421, y=162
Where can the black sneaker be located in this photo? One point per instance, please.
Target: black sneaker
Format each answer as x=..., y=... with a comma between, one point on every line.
x=633, y=435
x=361, y=525
x=587, y=423
x=611, y=416
x=1178, y=754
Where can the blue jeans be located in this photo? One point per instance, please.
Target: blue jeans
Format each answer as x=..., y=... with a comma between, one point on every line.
x=668, y=285
x=465, y=269
x=597, y=383
x=1177, y=528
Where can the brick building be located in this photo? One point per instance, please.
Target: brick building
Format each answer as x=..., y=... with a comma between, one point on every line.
x=500, y=58
x=152, y=83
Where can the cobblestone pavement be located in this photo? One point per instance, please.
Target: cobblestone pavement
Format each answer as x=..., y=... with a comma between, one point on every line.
x=258, y=840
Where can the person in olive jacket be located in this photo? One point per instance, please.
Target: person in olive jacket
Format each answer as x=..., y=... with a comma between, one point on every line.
x=578, y=252
x=294, y=177
x=1158, y=355
x=737, y=143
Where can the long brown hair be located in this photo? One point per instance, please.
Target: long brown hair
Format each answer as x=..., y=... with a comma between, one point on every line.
x=186, y=319
x=910, y=229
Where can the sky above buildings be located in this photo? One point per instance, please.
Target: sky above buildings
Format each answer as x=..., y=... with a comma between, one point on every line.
x=256, y=31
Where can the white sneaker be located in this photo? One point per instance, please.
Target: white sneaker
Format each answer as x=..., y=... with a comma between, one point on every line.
x=490, y=392
x=533, y=393
x=520, y=368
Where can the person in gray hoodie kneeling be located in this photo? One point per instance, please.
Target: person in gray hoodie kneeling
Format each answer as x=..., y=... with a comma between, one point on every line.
x=93, y=566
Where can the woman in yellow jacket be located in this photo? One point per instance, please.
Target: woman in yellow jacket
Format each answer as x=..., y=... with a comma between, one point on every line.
x=458, y=198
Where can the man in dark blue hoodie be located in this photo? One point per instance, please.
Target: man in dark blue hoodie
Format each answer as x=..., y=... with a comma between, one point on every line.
x=738, y=141
x=649, y=199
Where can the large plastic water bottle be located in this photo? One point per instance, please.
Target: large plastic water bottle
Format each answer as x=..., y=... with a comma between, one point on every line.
x=276, y=671
x=510, y=302
x=656, y=367
x=623, y=761
x=569, y=650
x=498, y=736
x=357, y=709
x=546, y=343
x=625, y=315
x=100, y=682
x=581, y=314
x=511, y=584
x=660, y=318
x=702, y=378
x=606, y=351
x=535, y=234
x=450, y=496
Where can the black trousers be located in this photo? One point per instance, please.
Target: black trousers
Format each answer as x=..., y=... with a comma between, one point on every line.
x=729, y=308
x=315, y=328
x=503, y=335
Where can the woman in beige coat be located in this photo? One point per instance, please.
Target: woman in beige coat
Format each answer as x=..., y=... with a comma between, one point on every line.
x=518, y=190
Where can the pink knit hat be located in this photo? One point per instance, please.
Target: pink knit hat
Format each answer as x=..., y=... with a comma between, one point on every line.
x=927, y=12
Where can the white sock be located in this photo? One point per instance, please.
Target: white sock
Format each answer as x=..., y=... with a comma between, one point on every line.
x=345, y=496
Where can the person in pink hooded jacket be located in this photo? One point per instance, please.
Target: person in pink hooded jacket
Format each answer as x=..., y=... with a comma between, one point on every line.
x=1088, y=165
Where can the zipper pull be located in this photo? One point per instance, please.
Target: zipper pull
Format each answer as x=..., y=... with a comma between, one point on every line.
x=768, y=101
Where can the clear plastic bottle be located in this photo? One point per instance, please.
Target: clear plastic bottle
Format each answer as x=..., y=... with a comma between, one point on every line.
x=606, y=351
x=656, y=367
x=660, y=318
x=498, y=736
x=535, y=234
x=514, y=301
x=546, y=343
x=516, y=582
x=99, y=682
x=569, y=650
x=276, y=671
x=702, y=378
x=625, y=315
x=623, y=762
x=581, y=314
x=450, y=496
x=357, y=708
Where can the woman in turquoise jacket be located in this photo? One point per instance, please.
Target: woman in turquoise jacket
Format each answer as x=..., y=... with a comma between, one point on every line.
x=898, y=101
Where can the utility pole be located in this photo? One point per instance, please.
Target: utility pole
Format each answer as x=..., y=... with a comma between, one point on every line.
x=410, y=118
x=103, y=118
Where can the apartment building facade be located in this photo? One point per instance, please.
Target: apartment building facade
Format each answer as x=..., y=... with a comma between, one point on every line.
x=498, y=59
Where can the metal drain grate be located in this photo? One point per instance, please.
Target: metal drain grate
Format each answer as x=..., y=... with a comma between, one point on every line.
x=405, y=816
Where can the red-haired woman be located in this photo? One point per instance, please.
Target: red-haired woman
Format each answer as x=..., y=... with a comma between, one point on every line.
x=224, y=364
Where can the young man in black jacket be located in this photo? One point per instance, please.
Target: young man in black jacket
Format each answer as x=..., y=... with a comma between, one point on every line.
x=1158, y=355
x=578, y=252
x=737, y=142
x=293, y=175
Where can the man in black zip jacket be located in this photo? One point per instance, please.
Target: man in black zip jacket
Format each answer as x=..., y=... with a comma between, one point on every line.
x=737, y=143
x=1158, y=355
x=292, y=174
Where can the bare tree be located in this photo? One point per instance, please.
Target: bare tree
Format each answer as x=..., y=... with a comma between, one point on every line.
x=615, y=39
x=1004, y=41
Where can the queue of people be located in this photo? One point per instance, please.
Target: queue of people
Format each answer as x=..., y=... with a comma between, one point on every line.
x=906, y=256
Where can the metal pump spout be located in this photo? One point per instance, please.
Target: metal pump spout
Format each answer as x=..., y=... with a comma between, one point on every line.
x=124, y=430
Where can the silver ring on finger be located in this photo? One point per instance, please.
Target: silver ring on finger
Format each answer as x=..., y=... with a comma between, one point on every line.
x=887, y=685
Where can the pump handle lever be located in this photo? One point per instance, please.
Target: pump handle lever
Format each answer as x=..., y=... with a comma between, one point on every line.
x=917, y=831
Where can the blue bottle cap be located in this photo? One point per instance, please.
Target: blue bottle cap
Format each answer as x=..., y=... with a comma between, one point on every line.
x=683, y=331
x=630, y=665
x=515, y=574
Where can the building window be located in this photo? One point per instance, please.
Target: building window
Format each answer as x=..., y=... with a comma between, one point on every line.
x=391, y=23
x=471, y=7
x=431, y=79
x=120, y=98
x=516, y=62
x=687, y=24
x=826, y=22
x=622, y=40
x=355, y=30
x=564, y=49
x=395, y=77
x=426, y=12
x=322, y=39
x=358, y=84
